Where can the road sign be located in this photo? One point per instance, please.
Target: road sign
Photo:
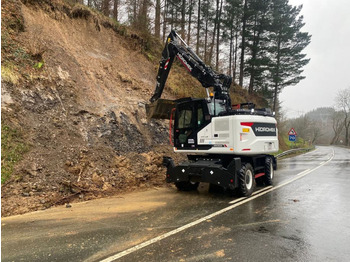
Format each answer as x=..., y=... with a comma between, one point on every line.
x=292, y=132
x=292, y=138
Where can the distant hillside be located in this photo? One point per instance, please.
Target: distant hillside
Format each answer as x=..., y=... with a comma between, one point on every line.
x=318, y=126
x=74, y=89
x=323, y=114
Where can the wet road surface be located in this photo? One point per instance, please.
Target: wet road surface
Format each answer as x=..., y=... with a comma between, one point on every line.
x=304, y=217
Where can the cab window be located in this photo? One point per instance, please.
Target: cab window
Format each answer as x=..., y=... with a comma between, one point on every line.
x=216, y=107
x=200, y=118
x=185, y=119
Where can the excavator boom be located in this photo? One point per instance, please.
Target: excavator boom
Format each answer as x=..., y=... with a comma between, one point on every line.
x=175, y=46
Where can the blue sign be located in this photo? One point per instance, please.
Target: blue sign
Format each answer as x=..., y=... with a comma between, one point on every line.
x=292, y=138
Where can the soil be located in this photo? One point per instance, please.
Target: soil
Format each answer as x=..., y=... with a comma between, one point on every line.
x=82, y=113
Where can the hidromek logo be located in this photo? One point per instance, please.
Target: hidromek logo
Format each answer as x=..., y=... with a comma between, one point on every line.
x=265, y=129
x=184, y=61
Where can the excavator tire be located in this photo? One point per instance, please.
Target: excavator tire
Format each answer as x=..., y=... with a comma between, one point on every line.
x=269, y=172
x=246, y=180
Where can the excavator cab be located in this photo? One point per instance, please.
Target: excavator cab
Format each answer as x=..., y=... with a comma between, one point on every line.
x=190, y=117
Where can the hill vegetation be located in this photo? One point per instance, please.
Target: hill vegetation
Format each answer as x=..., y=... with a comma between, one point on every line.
x=322, y=126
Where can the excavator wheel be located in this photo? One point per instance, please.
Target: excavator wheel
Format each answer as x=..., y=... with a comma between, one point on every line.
x=269, y=172
x=246, y=180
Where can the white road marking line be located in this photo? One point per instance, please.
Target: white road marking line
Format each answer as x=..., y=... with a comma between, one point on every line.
x=254, y=193
x=261, y=190
x=241, y=202
x=237, y=200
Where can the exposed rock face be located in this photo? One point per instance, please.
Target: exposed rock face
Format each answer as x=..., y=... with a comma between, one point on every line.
x=81, y=114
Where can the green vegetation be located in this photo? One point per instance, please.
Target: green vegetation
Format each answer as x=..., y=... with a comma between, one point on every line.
x=39, y=65
x=12, y=149
x=300, y=143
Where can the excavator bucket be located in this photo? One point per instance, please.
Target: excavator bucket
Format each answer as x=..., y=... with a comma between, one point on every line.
x=160, y=109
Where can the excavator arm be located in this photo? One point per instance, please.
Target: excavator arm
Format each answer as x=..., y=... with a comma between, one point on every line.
x=176, y=47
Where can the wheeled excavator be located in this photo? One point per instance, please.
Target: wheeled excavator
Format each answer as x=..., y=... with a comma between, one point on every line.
x=227, y=146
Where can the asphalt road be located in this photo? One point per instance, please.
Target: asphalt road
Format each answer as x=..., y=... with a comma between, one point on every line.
x=304, y=217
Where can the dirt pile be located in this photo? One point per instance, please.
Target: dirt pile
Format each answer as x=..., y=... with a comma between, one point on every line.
x=79, y=108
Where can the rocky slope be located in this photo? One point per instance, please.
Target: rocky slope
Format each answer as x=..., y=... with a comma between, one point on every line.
x=77, y=107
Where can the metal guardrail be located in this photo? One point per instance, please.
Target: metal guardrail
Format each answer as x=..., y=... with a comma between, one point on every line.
x=291, y=151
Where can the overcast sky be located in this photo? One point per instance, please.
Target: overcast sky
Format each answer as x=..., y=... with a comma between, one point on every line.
x=328, y=21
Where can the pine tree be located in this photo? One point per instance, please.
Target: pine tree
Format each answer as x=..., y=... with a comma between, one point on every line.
x=256, y=42
x=287, y=43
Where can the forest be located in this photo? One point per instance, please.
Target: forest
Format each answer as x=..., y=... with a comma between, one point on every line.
x=259, y=43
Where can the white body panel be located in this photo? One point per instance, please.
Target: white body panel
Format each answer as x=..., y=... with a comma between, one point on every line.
x=238, y=134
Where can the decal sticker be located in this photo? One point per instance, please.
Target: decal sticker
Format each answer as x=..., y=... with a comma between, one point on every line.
x=264, y=129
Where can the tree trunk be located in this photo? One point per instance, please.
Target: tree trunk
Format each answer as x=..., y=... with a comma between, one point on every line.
x=244, y=22
x=231, y=51
x=235, y=58
x=116, y=9
x=254, y=56
x=165, y=11
x=198, y=25
x=206, y=41
x=105, y=7
x=157, y=20
x=142, y=17
x=347, y=127
x=218, y=38
x=183, y=19
x=276, y=80
x=214, y=31
x=189, y=22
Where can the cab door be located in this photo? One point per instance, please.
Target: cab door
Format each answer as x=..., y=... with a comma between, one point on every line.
x=190, y=117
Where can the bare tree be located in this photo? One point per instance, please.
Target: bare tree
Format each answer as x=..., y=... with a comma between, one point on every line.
x=343, y=103
x=337, y=126
x=315, y=132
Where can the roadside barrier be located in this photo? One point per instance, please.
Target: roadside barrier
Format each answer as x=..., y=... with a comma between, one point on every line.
x=291, y=151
